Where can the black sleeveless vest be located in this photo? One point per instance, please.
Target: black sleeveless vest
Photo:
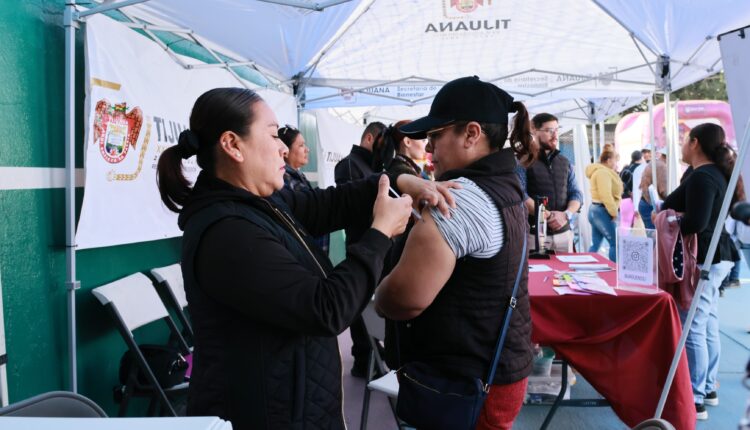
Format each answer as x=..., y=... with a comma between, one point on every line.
x=458, y=331
x=548, y=176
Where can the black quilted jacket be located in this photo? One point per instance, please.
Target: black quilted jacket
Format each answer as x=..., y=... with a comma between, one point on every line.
x=267, y=306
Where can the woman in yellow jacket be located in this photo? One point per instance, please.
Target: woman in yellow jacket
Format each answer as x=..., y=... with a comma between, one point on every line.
x=606, y=192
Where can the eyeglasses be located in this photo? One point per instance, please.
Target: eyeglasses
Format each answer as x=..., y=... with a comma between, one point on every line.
x=435, y=134
x=550, y=130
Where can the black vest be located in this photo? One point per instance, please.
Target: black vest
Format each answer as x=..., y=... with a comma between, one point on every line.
x=548, y=176
x=458, y=331
x=230, y=359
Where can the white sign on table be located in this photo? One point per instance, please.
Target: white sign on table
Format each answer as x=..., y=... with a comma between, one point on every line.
x=637, y=262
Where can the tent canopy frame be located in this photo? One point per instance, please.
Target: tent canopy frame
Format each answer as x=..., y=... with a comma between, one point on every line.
x=73, y=17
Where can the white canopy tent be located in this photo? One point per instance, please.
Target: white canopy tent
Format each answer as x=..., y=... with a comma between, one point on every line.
x=366, y=53
x=388, y=52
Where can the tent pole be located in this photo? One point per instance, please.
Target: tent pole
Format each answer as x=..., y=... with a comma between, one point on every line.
x=71, y=284
x=601, y=135
x=594, y=144
x=706, y=267
x=106, y=7
x=652, y=141
x=668, y=129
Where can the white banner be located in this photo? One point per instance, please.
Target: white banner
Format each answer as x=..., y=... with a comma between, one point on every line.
x=335, y=140
x=735, y=56
x=138, y=100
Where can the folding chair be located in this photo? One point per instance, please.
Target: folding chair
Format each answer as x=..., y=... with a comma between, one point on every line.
x=62, y=404
x=133, y=302
x=169, y=278
x=386, y=384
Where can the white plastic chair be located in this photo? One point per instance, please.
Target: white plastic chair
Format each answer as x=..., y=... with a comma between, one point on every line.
x=170, y=279
x=386, y=384
x=133, y=302
x=63, y=404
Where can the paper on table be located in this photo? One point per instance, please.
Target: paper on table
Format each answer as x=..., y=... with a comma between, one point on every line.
x=591, y=267
x=599, y=289
x=581, y=258
x=587, y=278
x=590, y=283
x=566, y=290
x=536, y=268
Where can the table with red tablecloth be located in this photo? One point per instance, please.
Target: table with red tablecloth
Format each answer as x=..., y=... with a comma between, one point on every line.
x=622, y=345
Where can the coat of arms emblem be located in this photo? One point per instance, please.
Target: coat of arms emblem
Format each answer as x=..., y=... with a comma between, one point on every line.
x=116, y=129
x=467, y=6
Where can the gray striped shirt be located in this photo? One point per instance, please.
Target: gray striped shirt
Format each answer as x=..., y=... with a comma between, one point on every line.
x=475, y=228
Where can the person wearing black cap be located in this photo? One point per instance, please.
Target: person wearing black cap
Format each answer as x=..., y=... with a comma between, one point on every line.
x=455, y=274
x=551, y=175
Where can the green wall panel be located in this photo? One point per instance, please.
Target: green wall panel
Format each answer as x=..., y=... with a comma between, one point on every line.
x=32, y=235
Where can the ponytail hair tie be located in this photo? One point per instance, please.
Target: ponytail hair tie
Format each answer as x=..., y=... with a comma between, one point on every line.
x=188, y=144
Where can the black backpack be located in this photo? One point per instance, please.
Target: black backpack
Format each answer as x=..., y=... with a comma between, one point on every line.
x=167, y=363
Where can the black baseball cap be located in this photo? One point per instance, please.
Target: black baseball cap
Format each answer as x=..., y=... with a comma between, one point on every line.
x=463, y=99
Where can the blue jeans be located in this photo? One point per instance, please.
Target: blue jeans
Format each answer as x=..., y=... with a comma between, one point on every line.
x=645, y=209
x=602, y=227
x=703, y=345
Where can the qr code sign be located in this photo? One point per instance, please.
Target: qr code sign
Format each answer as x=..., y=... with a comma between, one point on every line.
x=635, y=256
x=635, y=259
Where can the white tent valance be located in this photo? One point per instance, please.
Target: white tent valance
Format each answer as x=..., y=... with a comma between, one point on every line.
x=360, y=53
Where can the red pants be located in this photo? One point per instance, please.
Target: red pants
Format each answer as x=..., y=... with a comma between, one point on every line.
x=502, y=405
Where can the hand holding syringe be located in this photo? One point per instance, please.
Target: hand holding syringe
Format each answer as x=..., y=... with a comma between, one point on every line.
x=413, y=211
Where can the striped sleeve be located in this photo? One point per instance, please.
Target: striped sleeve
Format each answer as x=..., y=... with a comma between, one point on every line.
x=475, y=228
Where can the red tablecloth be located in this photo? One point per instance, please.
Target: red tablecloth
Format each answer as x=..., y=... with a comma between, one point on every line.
x=622, y=345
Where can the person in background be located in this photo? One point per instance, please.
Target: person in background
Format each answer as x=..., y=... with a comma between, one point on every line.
x=636, y=181
x=699, y=198
x=606, y=192
x=733, y=278
x=412, y=153
x=296, y=159
x=645, y=209
x=266, y=305
x=358, y=165
x=646, y=153
x=627, y=177
x=551, y=175
x=400, y=154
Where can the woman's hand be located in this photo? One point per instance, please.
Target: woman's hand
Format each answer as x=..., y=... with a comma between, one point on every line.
x=390, y=215
x=427, y=193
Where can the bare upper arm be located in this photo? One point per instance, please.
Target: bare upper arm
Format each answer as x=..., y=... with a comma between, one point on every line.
x=424, y=268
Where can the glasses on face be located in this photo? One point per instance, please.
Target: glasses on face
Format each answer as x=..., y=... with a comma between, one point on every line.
x=435, y=134
x=550, y=130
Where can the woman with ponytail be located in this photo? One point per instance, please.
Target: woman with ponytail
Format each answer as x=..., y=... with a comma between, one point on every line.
x=266, y=304
x=454, y=274
x=699, y=198
x=397, y=153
